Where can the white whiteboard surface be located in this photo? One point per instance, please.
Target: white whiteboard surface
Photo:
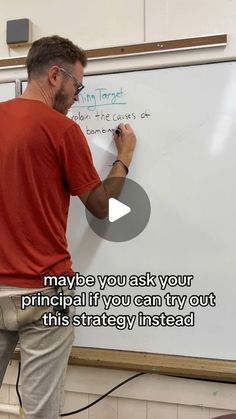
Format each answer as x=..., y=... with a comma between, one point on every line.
x=185, y=160
x=7, y=91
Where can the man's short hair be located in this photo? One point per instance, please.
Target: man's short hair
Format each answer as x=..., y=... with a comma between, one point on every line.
x=52, y=50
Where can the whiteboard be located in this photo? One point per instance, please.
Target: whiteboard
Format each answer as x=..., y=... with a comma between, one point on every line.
x=185, y=121
x=7, y=91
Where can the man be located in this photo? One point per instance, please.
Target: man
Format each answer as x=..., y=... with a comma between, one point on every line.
x=44, y=158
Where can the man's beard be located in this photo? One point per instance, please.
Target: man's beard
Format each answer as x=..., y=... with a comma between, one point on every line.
x=60, y=102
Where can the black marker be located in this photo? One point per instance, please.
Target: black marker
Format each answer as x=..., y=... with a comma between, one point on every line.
x=117, y=131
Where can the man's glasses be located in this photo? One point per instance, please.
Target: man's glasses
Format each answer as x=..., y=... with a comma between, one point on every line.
x=79, y=86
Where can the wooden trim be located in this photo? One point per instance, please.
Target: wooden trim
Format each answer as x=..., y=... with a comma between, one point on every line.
x=12, y=62
x=172, y=365
x=151, y=47
x=161, y=46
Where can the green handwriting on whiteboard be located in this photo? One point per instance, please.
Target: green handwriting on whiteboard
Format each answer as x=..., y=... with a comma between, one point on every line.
x=92, y=119
x=100, y=97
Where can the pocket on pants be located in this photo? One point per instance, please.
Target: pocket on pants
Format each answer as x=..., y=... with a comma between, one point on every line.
x=34, y=314
x=29, y=314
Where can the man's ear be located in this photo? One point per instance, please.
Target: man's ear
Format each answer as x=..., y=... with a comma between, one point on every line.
x=54, y=75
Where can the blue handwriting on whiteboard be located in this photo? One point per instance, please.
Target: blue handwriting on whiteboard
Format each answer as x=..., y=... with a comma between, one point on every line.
x=101, y=97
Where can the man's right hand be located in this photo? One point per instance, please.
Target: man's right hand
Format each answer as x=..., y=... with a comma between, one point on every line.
x=125, y=143
x=96, y=201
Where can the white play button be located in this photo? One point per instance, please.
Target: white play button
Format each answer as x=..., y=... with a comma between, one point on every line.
x=127, y=217
x=117, y=210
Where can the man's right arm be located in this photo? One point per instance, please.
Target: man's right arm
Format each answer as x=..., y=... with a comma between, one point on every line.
x=96, y=201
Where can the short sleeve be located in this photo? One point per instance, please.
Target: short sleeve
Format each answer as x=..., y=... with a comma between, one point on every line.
x=77, y=164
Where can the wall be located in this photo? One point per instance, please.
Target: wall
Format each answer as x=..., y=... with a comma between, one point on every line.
x=147, y=397
x=107, y=23
x=111, y=23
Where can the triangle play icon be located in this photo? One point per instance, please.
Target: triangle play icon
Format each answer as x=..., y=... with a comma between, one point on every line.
x=117, y=210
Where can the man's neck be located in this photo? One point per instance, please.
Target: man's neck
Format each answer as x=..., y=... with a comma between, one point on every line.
x=36, y=91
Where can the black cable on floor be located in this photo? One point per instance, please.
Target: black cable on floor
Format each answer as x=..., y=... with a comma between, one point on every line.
x=17, y=385
x=89, y=405
x=104, y=395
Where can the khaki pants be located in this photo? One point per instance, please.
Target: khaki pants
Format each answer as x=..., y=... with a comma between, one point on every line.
x=44, y=354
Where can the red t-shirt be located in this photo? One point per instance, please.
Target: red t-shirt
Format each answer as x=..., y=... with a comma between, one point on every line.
x=44, y=158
